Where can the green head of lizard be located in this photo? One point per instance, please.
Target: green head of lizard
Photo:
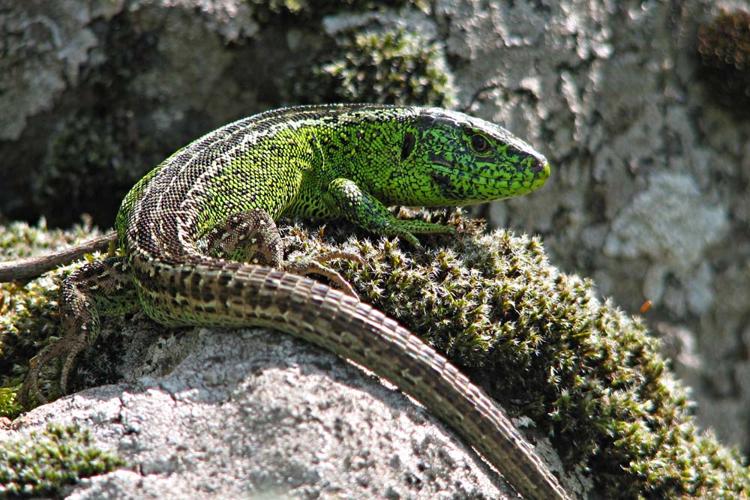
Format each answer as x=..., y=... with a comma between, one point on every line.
x=449, y=158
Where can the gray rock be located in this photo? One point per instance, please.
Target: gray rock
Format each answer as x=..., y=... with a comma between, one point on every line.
x=669, y=221
x=256, y=413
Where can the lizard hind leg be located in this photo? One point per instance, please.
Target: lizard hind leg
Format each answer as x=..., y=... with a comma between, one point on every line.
x=253, y=237
x=104, y=283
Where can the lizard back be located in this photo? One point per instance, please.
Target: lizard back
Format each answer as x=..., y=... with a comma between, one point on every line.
x=255, y=162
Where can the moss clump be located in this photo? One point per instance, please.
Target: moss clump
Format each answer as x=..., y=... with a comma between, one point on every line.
x=42, y=463
x=19, y=239
x=724, y=48
x=9, y=406
x=29, y=320
x=382, y=66
x=29, y=317
x=543, y=344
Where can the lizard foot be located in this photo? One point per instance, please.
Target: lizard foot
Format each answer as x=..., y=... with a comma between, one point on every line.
x=69, y=346
x=250, y=237
x=318, y=266
x=253, y=237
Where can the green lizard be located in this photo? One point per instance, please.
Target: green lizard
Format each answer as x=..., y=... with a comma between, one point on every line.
x=219, y=196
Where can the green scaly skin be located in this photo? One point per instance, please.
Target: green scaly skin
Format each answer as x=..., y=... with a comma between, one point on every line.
x=339, y=161
x=351, y=162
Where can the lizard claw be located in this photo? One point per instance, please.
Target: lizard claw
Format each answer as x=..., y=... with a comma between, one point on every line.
x=30, y=389
x=317, y=266
x=69, y=346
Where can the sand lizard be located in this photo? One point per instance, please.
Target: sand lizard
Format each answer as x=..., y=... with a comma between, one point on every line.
x=219, y=196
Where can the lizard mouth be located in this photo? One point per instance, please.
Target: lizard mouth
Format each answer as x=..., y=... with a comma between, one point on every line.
x=447, y=169
x=457, y=184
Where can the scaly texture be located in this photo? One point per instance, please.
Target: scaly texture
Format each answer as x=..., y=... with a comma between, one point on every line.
x=344, y=161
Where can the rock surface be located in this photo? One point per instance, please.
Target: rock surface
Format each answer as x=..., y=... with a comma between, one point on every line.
x=257, y=413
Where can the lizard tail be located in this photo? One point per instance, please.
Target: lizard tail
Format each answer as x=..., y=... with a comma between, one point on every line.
x=208, y=291
x=32, y=267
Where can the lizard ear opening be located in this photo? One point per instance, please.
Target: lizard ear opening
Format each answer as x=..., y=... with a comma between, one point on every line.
x=408, y=145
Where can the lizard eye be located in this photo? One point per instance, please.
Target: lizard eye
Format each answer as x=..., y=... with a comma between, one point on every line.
x=407, y=146
x=479, y=143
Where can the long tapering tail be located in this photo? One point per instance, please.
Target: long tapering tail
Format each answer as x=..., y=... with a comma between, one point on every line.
x=216, y=292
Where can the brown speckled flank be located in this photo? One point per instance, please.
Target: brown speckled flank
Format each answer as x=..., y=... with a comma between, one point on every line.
x=340, y=161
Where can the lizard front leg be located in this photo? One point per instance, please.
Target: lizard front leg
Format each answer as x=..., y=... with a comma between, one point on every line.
x=253, y=237
x=103, y=283
x=367, y=212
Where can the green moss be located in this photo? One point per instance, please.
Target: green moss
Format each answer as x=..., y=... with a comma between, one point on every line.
x=43, y=463
x=546, y=346
x=19, y=239
x=29, y=319
x=541, y=342
x=383, y=66
x=9, y=406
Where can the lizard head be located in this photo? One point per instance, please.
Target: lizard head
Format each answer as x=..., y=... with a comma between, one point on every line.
x=456, y=159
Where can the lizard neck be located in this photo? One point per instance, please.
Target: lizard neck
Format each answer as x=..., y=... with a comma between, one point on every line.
x=364, y=147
